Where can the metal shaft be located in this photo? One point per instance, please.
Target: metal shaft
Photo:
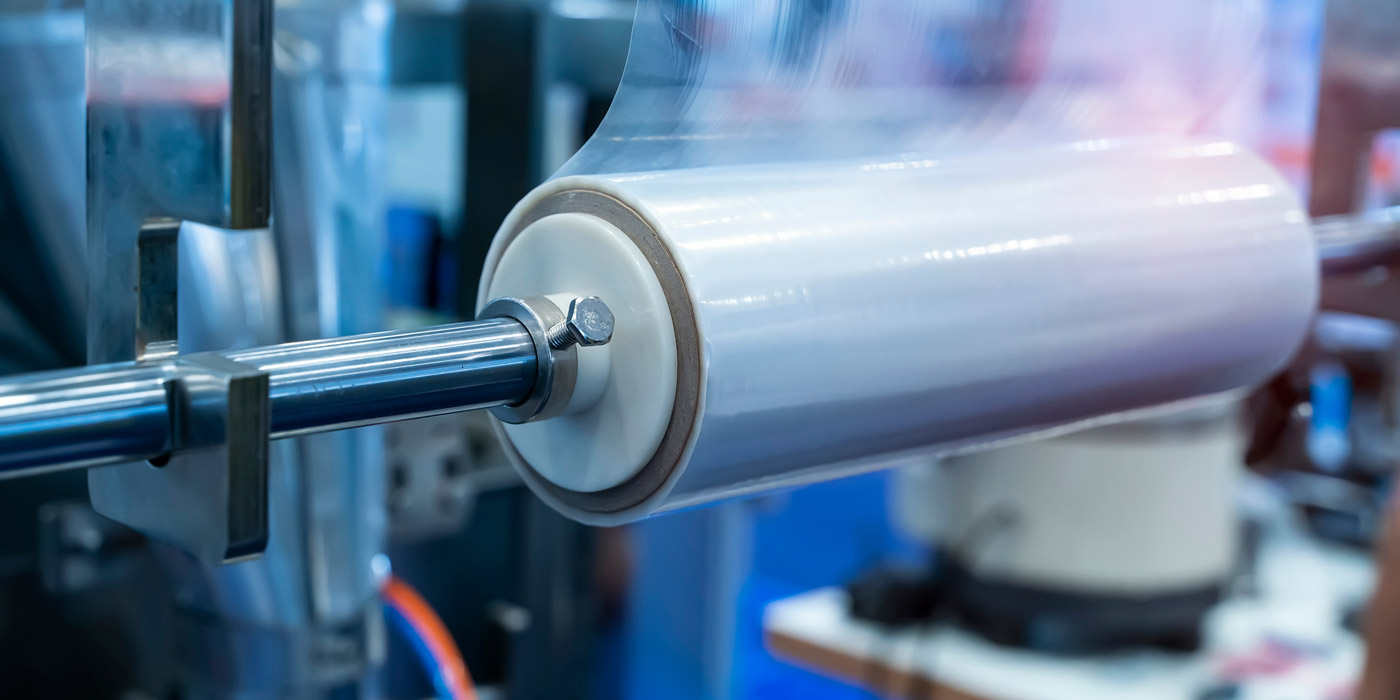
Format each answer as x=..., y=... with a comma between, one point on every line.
x=87, y=414
x=361, y=380
x=1350, y=243
x=121, y=412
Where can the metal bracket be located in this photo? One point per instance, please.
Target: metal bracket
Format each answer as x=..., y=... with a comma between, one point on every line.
x=179, y=129
x=211, y=500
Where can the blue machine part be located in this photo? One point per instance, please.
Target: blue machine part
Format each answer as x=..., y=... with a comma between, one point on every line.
x=1328, y=439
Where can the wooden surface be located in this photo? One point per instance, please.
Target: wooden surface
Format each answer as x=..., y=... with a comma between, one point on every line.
x=880, y=679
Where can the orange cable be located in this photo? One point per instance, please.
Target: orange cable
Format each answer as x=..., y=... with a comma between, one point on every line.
x=435, y=634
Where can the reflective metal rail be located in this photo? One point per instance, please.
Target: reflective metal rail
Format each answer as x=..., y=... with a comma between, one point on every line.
x=123, y=412
x=1351, y=243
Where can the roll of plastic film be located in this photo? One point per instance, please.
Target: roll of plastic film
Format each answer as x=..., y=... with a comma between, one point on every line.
x=793, y=306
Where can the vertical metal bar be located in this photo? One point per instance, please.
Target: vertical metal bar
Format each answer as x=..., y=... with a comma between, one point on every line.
x=250, y=190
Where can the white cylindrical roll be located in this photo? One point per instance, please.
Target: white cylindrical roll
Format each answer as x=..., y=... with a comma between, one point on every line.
x=830, y=317
x=1145, y=508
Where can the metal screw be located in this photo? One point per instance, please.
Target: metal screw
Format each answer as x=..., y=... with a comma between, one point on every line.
x=588, y=322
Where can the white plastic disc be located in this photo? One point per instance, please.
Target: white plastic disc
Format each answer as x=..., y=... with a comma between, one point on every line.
x=630, y=383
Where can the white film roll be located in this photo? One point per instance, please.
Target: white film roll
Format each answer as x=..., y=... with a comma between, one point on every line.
x=829, y=317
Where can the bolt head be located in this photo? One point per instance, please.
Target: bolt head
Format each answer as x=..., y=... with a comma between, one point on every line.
x=590, y=321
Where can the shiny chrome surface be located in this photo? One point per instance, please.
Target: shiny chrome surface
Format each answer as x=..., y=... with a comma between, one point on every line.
x=326, y=385
x=587, y=323
x=1351, y=243
x=88, y=416
x=555, y=378
x=108, y=413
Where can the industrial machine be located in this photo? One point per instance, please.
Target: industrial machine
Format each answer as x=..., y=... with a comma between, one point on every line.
x=1096, y=546
x=725, y=293
x=1112, y=538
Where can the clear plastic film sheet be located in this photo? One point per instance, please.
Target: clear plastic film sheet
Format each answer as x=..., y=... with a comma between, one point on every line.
x=887, y=228
x=725, y=82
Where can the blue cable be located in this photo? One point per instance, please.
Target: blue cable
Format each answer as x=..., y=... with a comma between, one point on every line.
x=421, y=649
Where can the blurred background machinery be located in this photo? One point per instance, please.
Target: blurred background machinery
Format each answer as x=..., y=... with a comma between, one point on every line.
x=1258, y=521
x=404, y=133
x=369, y=206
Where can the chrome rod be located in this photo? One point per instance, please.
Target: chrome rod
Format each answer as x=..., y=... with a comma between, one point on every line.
x=1355, y=242
x=120, y=412
x=326, y=385
x=83, y=416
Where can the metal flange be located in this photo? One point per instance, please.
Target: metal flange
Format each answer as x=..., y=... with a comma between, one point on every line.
x=556, y=369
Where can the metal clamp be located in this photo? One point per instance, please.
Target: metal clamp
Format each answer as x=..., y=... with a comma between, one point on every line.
x=210, y=499
x=556, y=370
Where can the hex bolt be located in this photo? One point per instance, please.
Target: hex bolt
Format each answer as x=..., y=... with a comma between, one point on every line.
x=588, y=322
